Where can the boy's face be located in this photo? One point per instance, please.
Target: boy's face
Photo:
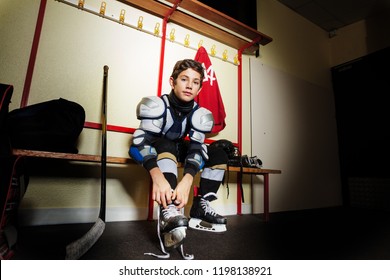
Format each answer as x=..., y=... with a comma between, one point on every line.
x=187, y=85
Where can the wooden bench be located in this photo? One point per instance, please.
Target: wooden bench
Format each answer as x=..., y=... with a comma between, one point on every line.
x=256, y=171
x=121, y=160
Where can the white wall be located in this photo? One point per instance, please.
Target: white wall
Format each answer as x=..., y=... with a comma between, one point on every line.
x=17, y=25
x=293, y=115
x=294, y=129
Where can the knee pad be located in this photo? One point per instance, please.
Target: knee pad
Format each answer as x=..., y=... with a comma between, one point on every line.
x=217, y=156
x=195, y=160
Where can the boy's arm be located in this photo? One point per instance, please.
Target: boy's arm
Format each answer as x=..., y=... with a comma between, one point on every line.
x=150, y=111
x=161, y=190
x=182, y=192
x=202, y=122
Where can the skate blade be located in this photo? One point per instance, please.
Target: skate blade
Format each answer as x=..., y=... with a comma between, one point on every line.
x=205, y=226
x=175, y=237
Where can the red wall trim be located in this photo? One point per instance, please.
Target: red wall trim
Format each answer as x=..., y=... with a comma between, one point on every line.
x=162, y=50
x=115, y=128
x=33, y=54
x=123, y=129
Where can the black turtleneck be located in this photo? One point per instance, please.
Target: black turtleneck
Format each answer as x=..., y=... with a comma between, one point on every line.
x=180, y=107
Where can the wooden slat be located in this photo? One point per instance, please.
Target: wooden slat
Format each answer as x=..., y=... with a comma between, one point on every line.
x=250, y=170
x=117, y=160
x=158, y=9
x=68, y=156
x=149, y=6
x=207, y=30
x=222, y=19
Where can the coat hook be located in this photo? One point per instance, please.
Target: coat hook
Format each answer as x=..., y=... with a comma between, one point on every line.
x=200, y=44
x=157, y=29
x=140, y=24
x=224, y=56
x=103, y=8
x=81, y=4
x=236, y=62
x=213, y=51
x=122, y=16
x=187, y=40
x=172, y=35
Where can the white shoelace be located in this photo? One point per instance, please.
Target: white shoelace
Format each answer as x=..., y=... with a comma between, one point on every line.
x=168, y=212
x=171, y=211
x=205, y=204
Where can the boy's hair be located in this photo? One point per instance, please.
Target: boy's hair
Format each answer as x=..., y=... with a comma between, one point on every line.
x=185, y=64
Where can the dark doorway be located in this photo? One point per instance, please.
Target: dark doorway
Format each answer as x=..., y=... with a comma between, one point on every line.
x=362, y=89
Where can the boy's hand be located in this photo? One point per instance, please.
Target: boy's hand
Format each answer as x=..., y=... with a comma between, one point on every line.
x=181, y=193
x=161, y=191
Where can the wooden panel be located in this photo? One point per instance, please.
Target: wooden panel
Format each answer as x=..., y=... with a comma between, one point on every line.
x=221, y=19
x=149, y=6
x=207, y=30
x=161, y=10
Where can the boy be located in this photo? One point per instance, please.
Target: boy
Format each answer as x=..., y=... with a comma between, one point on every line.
x=158, y=144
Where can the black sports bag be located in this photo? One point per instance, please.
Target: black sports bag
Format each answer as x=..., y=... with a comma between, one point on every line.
x=53, y=125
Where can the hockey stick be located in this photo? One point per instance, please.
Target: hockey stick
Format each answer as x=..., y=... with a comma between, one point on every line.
x=78, y=248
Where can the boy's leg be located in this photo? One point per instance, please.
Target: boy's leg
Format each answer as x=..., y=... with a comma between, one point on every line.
x=172, y=222
x=203, y=216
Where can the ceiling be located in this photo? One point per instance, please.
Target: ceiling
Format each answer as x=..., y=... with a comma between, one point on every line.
x=331, y=15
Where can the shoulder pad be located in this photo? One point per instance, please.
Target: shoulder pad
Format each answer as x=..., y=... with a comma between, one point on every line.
x=150, y=107
x=202, y=120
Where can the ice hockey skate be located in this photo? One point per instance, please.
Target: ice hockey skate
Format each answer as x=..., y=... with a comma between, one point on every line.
x=204, y=217
x=173, y=226
x=171, y=230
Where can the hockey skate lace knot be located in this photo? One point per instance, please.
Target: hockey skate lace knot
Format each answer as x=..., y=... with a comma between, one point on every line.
x=169, y=212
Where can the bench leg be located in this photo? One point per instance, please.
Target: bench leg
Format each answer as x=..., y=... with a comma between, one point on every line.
x=239, y=195
x=266, y=197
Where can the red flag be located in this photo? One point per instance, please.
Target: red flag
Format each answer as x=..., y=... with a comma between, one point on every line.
x=210, y=96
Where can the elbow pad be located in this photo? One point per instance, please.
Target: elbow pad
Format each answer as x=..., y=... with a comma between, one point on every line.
x=140, y=150
x=197, y=155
